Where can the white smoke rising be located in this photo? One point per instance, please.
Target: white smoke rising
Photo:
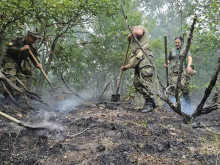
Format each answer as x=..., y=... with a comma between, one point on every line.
x=42, y=120
x=67, y=105
x=59, y=102
x=49, y=125
x=186, y=107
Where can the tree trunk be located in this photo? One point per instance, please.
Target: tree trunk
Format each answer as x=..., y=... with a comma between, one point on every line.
x=208, y=90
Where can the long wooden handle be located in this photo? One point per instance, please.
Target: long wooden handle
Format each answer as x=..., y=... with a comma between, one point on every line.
x=119, y=82
x=15, y=120
x=43, y=72
x=10, y=118
x=167, y=76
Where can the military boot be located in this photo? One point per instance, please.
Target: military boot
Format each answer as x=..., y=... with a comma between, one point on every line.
x=154, y=103
x=148, y=106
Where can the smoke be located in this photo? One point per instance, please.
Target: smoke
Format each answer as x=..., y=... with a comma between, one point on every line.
x=69, y=102
x=49, y=125
x=61, y=102
x=67, y=105
x=187, y=107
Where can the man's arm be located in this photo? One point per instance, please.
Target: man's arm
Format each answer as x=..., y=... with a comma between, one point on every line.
x=168, y=60
x=13, y=48
x=189, y=69
x=133, y=60
x=37, y=65
x=138, y=33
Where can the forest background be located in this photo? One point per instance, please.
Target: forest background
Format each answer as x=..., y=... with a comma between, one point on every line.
x=84, y=41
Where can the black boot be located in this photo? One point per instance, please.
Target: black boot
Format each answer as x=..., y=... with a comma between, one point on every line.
x=154, y=103
x=148, y=107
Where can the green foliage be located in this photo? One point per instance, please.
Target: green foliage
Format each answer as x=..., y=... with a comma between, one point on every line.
x=193, y=88
x=131, y=93
x=85, y=40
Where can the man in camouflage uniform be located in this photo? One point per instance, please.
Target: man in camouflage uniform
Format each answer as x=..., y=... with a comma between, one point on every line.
x=175, y=57
x=142, y=66
x=16, y=62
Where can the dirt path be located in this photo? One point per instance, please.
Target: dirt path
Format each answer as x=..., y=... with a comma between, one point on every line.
x=109, y=134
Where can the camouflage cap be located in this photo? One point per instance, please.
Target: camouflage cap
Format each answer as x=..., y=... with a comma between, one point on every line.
x=34, y=34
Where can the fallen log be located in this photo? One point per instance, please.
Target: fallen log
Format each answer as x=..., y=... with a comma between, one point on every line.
x=24, y=91
x=209, y=109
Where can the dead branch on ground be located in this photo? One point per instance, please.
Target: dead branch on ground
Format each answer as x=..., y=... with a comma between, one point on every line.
x=24, y=92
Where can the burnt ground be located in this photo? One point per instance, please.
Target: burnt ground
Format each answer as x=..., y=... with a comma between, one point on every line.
x=107, y=134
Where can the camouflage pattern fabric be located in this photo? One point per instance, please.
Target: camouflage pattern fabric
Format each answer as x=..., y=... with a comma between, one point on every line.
x=143, y=69
x=16, y=63
x=185, y=81
x=175, y=56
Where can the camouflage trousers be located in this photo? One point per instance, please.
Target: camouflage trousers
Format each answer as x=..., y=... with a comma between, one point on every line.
x=14, y=74
x=143, y=79
x=184, y=82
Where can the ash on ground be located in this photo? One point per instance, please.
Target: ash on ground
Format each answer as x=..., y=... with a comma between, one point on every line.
x=108, y=133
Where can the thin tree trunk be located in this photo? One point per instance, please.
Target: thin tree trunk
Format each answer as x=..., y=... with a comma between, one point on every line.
x=208, y=90
x=178, y=85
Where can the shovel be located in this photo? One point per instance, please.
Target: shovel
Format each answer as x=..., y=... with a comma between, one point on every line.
x=43, y=72
x=49, y=82
x=20, y=122
x=116, y=97
x=167, y=76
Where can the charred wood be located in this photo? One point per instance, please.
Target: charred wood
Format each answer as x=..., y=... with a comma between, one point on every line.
x=208, y=90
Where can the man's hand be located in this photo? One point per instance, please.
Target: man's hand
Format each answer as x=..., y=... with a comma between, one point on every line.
x=25, y=47
x=40, y=66
x=189, y=70
x=166, y=65
x=130, y=37
x=126, y=67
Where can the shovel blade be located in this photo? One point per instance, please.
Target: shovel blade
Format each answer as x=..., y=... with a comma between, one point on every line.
x=115, y=98
x=31, y=126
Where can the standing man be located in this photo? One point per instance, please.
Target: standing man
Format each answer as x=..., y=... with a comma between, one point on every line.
x=16, y=61
x=175, y=57
x=143, y=68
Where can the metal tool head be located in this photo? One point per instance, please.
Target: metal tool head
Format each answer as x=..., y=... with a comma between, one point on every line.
x=31, y=126
x=115, y=98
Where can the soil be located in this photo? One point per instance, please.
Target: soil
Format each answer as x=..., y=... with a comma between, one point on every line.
x=108, y=134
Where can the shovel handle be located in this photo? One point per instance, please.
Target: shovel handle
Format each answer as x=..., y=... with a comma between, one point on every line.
x=10, y=118
x=41, y=69
x=119, y=82
x=15, y=120
x=167, y=75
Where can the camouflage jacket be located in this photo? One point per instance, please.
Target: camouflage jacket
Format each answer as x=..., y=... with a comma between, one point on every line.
x=14, y=53
x=175, y=57
x=136, y=53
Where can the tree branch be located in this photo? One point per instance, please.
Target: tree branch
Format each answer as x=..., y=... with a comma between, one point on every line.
x=208, y=90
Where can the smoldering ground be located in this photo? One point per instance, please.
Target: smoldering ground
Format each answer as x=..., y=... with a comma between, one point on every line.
x=187, y=107
x=97, y=134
